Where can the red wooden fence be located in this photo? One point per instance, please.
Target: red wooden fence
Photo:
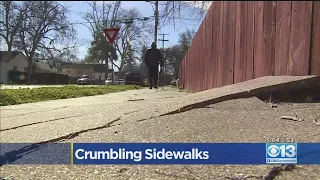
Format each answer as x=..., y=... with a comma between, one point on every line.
x=242, y=40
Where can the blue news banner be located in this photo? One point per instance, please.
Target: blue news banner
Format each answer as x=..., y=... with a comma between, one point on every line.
x=160, y=153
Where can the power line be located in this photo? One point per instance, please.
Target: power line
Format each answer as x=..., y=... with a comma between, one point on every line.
x=147, y=19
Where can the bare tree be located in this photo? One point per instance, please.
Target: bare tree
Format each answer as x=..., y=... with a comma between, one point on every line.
x=44, y=31
x=136, y=33
x=131, y=37
x=14, y=14
x=172, y=11
x=98, y=18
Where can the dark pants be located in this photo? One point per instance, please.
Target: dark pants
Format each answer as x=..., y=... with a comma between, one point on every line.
x=153, y=76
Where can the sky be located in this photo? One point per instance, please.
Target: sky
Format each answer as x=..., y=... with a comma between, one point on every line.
x=78, y=8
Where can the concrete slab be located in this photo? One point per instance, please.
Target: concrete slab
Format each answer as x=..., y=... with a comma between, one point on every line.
x=32, y=122
x=216, y=123
x=97, y=111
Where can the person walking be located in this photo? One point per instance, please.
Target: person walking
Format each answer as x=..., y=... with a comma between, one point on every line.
x=152, y=59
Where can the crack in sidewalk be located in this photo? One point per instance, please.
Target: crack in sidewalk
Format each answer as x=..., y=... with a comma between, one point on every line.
x=33, y=112
x=56, y=119
x=203, y=104
x=275, y=171
x=16, y=154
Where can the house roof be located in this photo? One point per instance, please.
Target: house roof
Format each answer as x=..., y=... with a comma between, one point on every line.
x=44, y=66
x=4, y=55
x=94, y=67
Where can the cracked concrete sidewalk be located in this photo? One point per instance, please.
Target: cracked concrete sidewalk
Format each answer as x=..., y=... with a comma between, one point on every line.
x=146, y=121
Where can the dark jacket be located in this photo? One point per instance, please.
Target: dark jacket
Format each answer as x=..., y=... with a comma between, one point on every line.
x=153, y=57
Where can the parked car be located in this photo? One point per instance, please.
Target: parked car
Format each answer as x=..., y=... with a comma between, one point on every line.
x=84, y=80
x=134, y=78
x=120, y=82
x=109, y=81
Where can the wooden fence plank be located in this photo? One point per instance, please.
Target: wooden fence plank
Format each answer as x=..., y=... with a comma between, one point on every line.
x=209, y=73
x=228, y=42
x=238, y=50
x=315, y=40
x=282, y=37
x=249, y=41
x=299, y=52
x=220, y=45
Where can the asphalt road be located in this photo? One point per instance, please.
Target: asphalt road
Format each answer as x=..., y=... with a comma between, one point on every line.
x=134, y=116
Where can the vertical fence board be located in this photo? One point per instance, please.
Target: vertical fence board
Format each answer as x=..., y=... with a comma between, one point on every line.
x=193, y=67
x=203, y=55
x=192, y=60
x=273, y=20
x=282, y=42
x=215, y=44
x=229, y=61
x=196, y=62
x=209, y=48
x=263, y=42
x=228, y=43
x=299, y=52
x=187, y=73
x=250, y=34
x=224, y=42
x=258, y=39
x=240, y=42
x=268, y=38
x=315, y=40
x=219, y=67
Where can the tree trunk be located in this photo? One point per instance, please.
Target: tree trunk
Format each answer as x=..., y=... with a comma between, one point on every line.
x=30, y=68
x=30, y=65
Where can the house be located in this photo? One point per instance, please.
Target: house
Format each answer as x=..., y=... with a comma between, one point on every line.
x=18, y=62
x=43, y=67
x=94, y=71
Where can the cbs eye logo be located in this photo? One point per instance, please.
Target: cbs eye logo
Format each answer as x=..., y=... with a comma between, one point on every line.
x=283, y=151
x=273, y=151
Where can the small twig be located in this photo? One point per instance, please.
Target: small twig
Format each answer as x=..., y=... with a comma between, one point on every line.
x=272, y=104
x=245, y=177
x=292, y=118
x=135, y=99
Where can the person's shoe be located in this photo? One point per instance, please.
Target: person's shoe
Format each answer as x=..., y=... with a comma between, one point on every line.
x=150, y=87
x=156, y=87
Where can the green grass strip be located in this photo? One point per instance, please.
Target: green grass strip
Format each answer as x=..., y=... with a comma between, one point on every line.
x=26, y=95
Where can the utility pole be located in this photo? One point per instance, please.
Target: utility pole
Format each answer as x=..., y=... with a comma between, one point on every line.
x=156, y=23
x=164, y=61
x=103, y=54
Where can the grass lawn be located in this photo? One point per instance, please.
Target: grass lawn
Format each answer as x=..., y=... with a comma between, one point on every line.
x=25, y=95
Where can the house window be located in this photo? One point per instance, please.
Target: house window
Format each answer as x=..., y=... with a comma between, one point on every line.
x=69, y=73
x=15, y=68
x=25, y=69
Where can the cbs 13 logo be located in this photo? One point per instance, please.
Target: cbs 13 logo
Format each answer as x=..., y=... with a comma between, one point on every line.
x=282, y=150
